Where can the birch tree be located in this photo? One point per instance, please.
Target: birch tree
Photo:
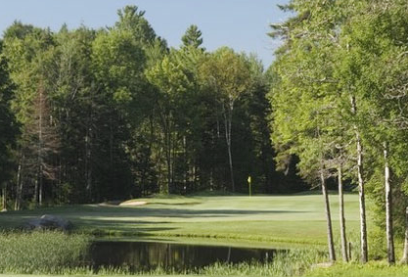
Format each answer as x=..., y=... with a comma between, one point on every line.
x=228, y=75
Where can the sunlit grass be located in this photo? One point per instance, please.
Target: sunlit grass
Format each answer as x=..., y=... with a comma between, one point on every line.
x=261, y=221
x=271, y=219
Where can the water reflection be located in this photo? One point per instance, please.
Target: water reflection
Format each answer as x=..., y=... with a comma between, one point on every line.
x=138, y=256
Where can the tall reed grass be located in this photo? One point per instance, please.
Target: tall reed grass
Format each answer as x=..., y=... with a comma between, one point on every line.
x=291, y=263
x=59, y=253
x=41, y=252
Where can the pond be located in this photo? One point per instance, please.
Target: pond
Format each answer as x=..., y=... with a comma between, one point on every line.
x=150, y=255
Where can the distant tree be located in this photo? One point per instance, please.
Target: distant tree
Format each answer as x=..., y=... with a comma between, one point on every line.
x=133, y=20
x=227, y=73
x=174, y=85
x=8, y=127
x=192, y=37
x=43, y=142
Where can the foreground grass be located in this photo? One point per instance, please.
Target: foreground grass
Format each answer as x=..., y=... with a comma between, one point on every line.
x=259, y=221
x=61, y=254
x=372, y=269
x=41, y=252
x=272, y=219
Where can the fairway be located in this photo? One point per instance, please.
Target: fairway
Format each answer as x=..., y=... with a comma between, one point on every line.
x=295, y=219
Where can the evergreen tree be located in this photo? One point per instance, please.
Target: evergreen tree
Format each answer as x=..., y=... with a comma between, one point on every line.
x=8, y=127
x=192, y=37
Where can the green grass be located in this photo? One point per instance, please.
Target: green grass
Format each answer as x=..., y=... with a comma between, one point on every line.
x=61, y=261
x=260, y=221
x=372, y=269
x=274, y=219
x=41, y=252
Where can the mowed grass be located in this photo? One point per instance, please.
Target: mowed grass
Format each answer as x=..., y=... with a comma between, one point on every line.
x=296, y=219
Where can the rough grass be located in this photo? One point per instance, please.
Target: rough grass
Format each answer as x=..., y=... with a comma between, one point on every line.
x=372, y=269
x=41, y=252
x=276, y=219
x=293, y=263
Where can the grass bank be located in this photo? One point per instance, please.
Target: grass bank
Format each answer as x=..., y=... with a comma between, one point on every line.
x=271, y=219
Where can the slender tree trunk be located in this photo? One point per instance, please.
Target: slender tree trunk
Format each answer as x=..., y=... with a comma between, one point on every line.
x=168, y=159
x=330, y=241
x=231, y=168
x=40, y=186
x=89, y=150
x=19, y=191
x=363, y=222
x=228, y=136
x=342, y=216
x=4, y=198
x=173, y=162
x=388, y=208
x=39, y=182
x=88, y=161
x=405, y=256
x=36, y=191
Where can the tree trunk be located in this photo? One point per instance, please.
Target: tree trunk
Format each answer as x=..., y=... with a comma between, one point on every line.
x=330, y=241
x=36, y=191
x=168, y=159
x=40, y=186
x=89, y=150
x=388, y=208
x=4, y=198
x=342, y=216
x=231, y=168
x=19, y=191
x=40, y=148
x=363, y=222
x=405, y=256
x=228, y=136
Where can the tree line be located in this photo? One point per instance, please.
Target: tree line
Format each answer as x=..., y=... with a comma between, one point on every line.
x=92, y=115
x=340, y=104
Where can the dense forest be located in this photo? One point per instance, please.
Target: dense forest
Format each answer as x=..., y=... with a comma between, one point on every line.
x=92, y=115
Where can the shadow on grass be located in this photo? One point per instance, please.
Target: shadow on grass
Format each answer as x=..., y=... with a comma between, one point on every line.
x=126, y=218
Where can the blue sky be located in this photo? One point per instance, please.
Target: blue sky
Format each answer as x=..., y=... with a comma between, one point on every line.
x=240, y=24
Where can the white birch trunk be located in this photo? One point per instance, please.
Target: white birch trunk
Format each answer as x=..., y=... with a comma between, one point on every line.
x=361, y=192
x=388, y=208
x=330, y=241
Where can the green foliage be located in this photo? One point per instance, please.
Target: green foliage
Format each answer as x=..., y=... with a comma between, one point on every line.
x=8, y=124
x=335, y=51
x=121, y=115
x=192, y=37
